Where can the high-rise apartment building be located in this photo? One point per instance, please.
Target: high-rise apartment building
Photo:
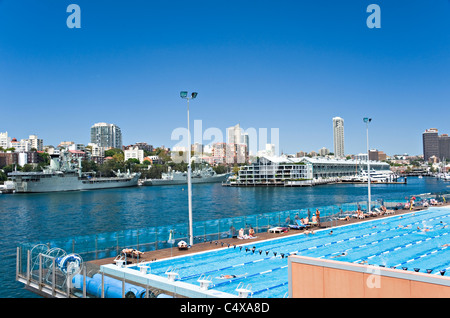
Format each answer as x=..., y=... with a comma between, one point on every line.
x=36, y=143
x=5, y=141
x=338, y=137
x=430, y=143
x=234, y=135
x=106, y=135
x=444, y=147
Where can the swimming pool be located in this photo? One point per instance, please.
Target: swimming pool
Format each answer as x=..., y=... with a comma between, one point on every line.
x=415, y=241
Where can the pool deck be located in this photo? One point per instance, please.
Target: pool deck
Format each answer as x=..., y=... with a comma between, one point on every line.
x=206, y=246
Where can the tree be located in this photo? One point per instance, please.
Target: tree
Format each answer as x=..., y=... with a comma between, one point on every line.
x=44, y=158
x=88, y=165
x=219, y=169
x=112, y=152
x=27, y=167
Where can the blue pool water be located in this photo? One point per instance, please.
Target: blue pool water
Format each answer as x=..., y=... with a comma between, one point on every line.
x=415, y=241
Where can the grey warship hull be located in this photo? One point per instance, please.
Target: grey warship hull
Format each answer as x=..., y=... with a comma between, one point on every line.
x=56, y=182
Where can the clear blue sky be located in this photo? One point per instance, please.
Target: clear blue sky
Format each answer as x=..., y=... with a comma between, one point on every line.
x=291, y=65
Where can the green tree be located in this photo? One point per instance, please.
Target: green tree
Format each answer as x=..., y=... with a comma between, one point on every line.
x=113, y=151
x=27, y=167
x=219, y=169
x=88, y=166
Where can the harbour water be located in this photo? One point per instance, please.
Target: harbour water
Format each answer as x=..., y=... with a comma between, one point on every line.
x=40, y=217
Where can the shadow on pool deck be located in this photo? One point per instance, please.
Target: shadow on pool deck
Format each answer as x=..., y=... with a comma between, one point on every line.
x=223, y=242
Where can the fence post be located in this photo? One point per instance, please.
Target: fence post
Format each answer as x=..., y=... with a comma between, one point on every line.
x=96, y=246
x=137, y=239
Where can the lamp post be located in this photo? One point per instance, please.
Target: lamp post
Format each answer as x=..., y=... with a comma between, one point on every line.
x=367, y=121
x=184, y=95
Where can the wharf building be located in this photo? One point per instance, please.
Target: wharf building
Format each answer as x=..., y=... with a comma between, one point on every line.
x=301, y=171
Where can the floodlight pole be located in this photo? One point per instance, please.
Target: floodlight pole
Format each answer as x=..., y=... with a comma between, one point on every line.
x=191, y=234
x=367, y=121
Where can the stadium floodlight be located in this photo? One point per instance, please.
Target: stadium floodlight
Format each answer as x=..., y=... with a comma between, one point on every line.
x=184, y=94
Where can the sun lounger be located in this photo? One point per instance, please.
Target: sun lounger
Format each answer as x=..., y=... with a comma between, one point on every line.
x=278, y=229
x=299, y=225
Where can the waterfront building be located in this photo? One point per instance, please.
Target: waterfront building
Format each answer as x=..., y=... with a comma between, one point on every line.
x=444, y=147
x=229, y=153
x=24, y=145
x=338, y=135
x=377, y=155
x=430, y=143
x=78, y=154
x=269, y=151
x=285, y=170
x=75, y=146
x=237, y=136
x=8, y=158
x=65, y=144
x=51, y=150
x=134, y=153
x=96, y=151
x=36, y=142
x=435, y=145
x=234, y=135
x=361, y=157
x=30, y=157
x=144, y=146
x=5, y=141
x=197, y=148
x=324, y=151
x=106, y=135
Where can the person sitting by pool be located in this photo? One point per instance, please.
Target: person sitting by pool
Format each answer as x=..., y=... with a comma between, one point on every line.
x=241, y=233
x=359, y=213
x=305, y=221
x=251, y=232
x=314, y=220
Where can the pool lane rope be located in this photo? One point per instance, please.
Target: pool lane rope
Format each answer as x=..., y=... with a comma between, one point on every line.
x=282, y=255
x=433, y=251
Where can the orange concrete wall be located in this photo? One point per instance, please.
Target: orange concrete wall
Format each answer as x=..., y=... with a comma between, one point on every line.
x=314, y=278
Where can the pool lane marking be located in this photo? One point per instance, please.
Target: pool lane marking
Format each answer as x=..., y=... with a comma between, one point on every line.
x=405, y=246
x=230, y=281
x=372, y=243
x=373, y=233
x=312, y=247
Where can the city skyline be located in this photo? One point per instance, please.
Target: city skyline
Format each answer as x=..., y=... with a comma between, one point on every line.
x=291, y=66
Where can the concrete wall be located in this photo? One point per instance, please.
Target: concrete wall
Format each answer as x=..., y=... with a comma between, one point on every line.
x=317, y=278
